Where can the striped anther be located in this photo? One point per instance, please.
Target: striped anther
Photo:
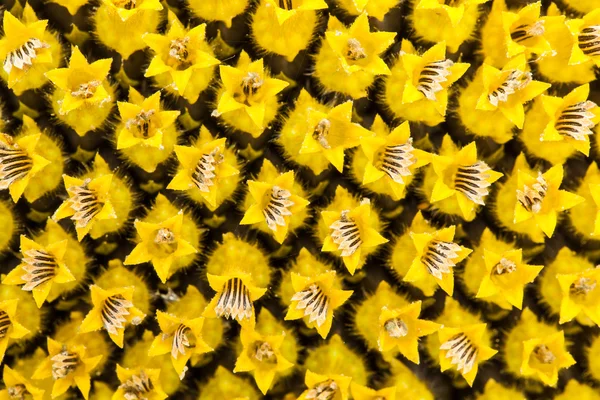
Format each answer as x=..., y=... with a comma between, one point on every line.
x=461, y=351
x=346, y=234
x=40, y=267
x=396, y=160
x=314, y=302
x=234, y=302
x=278, y=207
x=432, y=76
x=85, y=203
x=180, y=340
x=524, y=32
x=137, y=387
x=515, y=81
x=4, y=324
x=589, y=40
x=15, y=163
x=439, y=257
x=204, y=173
x=472, y=181
x=22, y=57
x=114, y=313
x=64, y=363
x=576, y=121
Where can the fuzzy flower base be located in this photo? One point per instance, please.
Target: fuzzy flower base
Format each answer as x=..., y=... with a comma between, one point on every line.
x=299, y=200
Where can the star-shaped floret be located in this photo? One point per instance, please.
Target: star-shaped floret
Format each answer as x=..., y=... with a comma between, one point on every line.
x=180, y=55
x=401, y=328
x=249, y=89
x=261, y=355
x=437, y=255
x=325, y=386
x=586, y=33
x=540, y=198
x=392, y=158
x=509, y=89
x=275, y=203
x=462, y=348
x=507, y=276
x=180, y=337
x=82, y=82
x=544, y=357
x=235, y=297
x=580, y=293
x=350, y=233
x=144, y=122
x=41, y=267
x=89, y=201
x=332, y=133
x=139, y=383
x=160, y=244
x=68, y=366
x=461, y=175
x=316, y=298
x=113, y=310
x=10, y=328
x=17, y=386
x=571, y=118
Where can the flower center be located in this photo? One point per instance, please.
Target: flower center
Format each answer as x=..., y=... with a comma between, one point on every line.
x=4, y=324
x=543, y=354
x=22, y=57
x=515, y=81
x=576, y=121
x=582, y=286
x=263, y=352
x=142, y=123
x=286, y=4
x=531, y=198
x=178, y=52
x=182, y=339
x=505, y=266
x=396, y=160
x=64, y=363
x=126, y=4
x=432, y=76
x=15, y=163
x=589, y=40
x=204, y=173
x=346, y=234
x=314, y=302
x=137, y=387
x=523, y=32
x=114, y=313
x=321, y=132
x=165, y=242
x=439, y=256
x=40, y=266
x=234, y=301
x=85, y=203
x=354, y=50
x=17, y=392
x=462, y=352
x=86, y=90
x=396, y=328
x=251, y=84
x=277, y=207
x=325, y=390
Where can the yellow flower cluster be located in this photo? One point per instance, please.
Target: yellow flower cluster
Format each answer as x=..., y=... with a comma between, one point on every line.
x=299, y=199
